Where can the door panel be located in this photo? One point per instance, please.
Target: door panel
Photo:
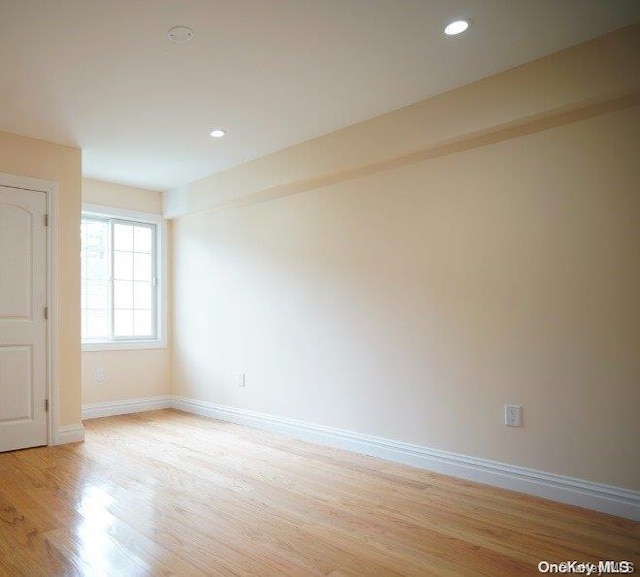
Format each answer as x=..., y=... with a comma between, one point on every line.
x=15, y=258
x=23, y=385
x=17, y=384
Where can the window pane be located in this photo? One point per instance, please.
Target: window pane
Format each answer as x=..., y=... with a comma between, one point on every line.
x=123, y=294
x=97, y=295
x=95, y=262
x=96, y=324
x=123, y=265
x=142, y=266
x=95, y=266
x=142, y=295
x=95, y=250
x=142, y=323
x=122, y=237
x=96, y=231
x=142, y=239
x=123, y=323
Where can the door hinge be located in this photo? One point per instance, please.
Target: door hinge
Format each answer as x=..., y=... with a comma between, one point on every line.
x=46, y=220
x=46, y=313
x=46, y=405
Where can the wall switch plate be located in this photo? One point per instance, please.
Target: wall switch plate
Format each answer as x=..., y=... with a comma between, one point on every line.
x=240, y=379
x=513, y=415
x=99, y=376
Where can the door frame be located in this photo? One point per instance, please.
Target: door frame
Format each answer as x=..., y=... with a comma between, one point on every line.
x=50, y=188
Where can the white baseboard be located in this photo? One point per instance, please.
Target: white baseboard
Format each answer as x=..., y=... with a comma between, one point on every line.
x=69, y=434
x=605, y=498
x=111, y=408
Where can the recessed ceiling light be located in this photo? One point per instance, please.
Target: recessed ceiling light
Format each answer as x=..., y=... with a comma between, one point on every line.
x=180, y=34
x=218, y=133
x=457, y=27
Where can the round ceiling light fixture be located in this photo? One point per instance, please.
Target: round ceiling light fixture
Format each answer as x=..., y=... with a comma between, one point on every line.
x=218, y=133
x=180, y=34
x=457, y=27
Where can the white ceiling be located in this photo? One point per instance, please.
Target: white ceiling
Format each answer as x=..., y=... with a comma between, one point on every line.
x=101, y=74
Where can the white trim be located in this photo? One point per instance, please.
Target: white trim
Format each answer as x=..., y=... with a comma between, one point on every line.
x=110, y=408
x=124, y=345
x=163, y=289
x=50, y=188
x=69, y=434
x=597, y=496
x=161, y=269
x=53, y=304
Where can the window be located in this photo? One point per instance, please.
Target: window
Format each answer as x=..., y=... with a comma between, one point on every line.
x=122, y=290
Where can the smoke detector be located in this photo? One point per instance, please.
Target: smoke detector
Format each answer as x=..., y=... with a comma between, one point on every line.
x=180, y=34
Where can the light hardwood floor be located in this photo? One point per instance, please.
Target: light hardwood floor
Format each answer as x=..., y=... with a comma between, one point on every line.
x=166, y=493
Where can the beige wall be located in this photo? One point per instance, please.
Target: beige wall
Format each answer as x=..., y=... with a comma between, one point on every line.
x=414, y=300
x=62, y=164
x=131, y=374
x=120, y=196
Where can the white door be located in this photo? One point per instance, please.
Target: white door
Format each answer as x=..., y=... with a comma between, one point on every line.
x=23, y=334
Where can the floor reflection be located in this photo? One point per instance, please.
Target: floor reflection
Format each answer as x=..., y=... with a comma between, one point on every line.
x=96, y=548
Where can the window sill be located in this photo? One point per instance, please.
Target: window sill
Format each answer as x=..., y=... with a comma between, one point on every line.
x=124, y=345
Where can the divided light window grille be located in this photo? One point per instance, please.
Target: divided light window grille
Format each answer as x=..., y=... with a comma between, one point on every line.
x=119, y=280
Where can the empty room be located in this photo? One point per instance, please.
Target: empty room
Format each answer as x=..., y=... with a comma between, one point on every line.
x=319, y=287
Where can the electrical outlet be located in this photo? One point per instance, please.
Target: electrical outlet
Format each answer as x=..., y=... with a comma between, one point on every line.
x=100, y=376
x=240, y=379
x=513, y=415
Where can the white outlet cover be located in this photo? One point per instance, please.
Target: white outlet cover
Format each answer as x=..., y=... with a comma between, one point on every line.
x=240, y=379
x=513, y=415
x=100, y=376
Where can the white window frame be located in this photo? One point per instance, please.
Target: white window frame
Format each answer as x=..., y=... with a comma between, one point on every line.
x=130, y=216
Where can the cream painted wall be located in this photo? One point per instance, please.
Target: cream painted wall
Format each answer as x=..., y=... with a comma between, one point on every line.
x=131, y=374
x=120, y=196
x=62, y=164
x=414, y=303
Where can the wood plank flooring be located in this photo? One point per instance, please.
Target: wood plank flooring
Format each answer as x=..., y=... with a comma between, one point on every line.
x=166, y=493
